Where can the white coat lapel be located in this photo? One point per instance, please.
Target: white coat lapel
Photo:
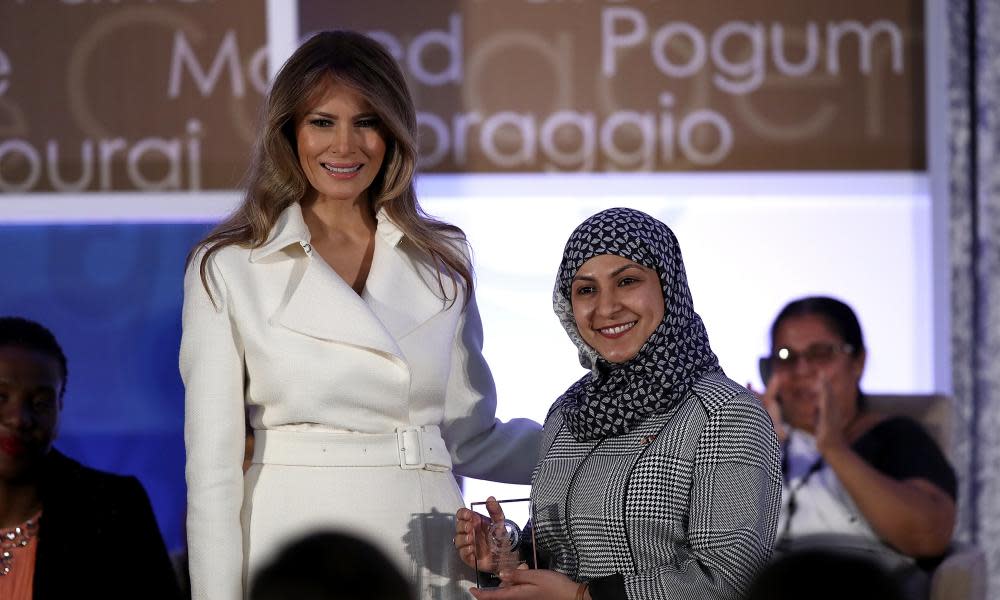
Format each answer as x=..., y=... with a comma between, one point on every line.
x=325, y=307
x=401, y=290
x=321, y=304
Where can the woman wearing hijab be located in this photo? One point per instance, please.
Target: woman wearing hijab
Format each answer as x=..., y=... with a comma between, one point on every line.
x=660, y=476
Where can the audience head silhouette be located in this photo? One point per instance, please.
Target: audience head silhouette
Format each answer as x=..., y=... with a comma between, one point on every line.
x=331, y=566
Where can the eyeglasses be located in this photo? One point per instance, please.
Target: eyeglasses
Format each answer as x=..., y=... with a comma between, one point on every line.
x=783, y=360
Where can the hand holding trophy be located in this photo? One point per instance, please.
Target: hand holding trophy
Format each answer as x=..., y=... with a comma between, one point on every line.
x=489, y=544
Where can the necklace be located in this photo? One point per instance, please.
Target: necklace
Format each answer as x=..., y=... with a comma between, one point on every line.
x=13, y=539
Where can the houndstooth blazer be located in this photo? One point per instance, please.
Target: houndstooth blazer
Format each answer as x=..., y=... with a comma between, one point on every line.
x=685, y=505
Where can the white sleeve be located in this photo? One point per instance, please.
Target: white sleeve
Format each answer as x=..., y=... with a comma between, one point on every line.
x=211, y=365
x=481, y=446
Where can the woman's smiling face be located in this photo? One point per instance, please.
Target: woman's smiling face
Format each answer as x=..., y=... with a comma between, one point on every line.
x=341, y=145
x=617, y=304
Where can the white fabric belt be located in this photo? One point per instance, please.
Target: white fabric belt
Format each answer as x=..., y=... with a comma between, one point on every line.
x=407, y=448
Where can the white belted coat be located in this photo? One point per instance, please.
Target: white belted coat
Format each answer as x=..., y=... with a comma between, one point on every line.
x=289, y=345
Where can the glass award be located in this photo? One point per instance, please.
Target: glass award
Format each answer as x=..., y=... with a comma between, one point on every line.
x=511, y=541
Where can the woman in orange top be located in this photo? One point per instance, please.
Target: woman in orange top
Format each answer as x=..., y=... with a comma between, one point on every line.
x=59, y=519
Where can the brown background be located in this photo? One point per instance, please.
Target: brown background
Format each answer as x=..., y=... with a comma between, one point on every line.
x=848, y=121
x=97, y=75
x=101, y=71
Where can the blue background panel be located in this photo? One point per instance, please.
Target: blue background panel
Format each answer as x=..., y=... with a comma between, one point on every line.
x=112, y=295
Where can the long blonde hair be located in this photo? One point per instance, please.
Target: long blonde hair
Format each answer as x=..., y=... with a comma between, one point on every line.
x=275, y=179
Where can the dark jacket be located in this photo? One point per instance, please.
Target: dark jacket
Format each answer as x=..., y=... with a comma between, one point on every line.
x=98, y=537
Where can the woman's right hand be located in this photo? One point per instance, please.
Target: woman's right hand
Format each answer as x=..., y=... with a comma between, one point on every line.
x=471, y=530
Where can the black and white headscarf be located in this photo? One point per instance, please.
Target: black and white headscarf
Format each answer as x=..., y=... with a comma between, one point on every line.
x=614, y=397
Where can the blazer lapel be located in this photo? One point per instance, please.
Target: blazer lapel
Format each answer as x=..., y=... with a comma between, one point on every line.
x=400, y=294
x=323, y=306
x=401, y=290
x=320, y=304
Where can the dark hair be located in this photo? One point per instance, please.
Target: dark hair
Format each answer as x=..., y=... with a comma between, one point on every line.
x=29, y=335
x=839, y=317
x=330, y=566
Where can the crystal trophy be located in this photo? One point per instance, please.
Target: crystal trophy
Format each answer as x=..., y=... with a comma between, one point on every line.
x=506, y=539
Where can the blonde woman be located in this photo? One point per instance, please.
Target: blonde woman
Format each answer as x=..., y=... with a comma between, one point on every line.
x=339, y=320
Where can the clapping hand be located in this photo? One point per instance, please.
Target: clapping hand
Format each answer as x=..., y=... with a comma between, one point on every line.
x=831, y=422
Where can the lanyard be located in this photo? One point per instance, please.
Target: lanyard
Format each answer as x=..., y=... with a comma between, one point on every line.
x=791, y=506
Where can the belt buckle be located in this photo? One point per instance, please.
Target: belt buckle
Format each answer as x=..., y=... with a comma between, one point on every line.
x=409, y=448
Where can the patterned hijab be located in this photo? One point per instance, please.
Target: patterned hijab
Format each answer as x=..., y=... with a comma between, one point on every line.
x=614, y=397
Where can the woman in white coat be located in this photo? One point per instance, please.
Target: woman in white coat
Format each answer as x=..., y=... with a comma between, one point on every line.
x=338, y=321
